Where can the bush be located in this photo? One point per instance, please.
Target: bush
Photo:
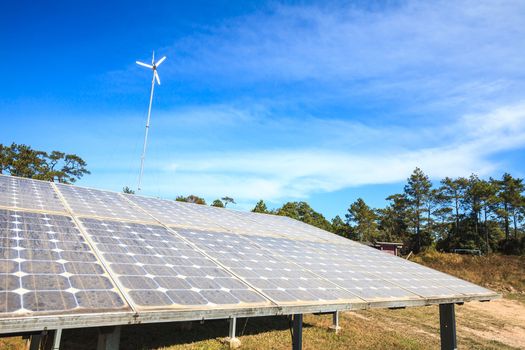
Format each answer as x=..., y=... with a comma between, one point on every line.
x=511, y=246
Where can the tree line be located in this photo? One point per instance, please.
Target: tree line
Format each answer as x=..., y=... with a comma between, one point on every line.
x=458, y=213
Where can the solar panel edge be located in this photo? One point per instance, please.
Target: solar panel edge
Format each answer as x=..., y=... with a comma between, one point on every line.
x=36, y=211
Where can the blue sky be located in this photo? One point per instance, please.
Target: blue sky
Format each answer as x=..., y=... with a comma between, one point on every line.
x=318, y=101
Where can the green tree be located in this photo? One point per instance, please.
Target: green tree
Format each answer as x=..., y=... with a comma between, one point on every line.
x=191, y=199
x=227, y=200
x=510, y=197
x=303, y=212
x=364, y=219
x=452, y=192
x=487, y=193
x=6, y=158
x=24, y=161
x=417, y=192
x=394, y=218
x=217, y=203
x=341, y=228
x=127, y=190
x=260, y=207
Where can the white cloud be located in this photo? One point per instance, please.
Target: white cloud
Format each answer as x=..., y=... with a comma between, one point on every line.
x=432, y=50
x=466, y=147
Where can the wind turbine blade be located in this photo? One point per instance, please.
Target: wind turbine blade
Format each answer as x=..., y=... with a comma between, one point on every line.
x=160, y=61
x=153, y=58
x=157, y=77
x=144, y=65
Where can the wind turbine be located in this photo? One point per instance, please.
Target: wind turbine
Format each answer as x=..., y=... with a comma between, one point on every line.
x=153, y=66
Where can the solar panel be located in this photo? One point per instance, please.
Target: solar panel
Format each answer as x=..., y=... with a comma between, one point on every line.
x=189, y=215
x=47, y=267
x=371, y=273
x=176, y=214
x=314, y=257
x=277, y=277
x=285, y=227
x=157, y=269
x=22, y=193
x=70, y=251
x=90, y=202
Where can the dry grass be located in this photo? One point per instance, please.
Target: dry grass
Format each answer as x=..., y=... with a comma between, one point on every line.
x=505, y=274
x=496, y=325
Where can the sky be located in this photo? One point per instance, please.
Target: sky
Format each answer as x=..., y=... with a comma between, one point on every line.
x=322, y=101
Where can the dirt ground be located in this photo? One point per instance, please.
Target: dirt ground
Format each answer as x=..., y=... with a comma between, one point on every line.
x=506, y=321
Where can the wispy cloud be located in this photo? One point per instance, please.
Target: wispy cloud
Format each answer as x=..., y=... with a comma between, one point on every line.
x=298, y=172
x=317, y=98
x=457, y=52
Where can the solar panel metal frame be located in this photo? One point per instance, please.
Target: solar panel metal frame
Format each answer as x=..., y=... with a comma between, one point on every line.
x=35, y=323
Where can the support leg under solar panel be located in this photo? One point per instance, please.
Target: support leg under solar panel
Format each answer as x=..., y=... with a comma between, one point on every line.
x=34, y=342
x=335, y=322
x=108, y=338
x=56, y=339
x=232, y=341
x=297, y=334
x=447, y=322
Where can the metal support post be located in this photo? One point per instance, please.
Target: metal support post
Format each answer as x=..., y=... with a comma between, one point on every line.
x=335, y=322
x=232, y=341
x=233, y=325
x=447, y=322
x=297, y=340
x=34, y=341
x=108, y=338
x=56, y=339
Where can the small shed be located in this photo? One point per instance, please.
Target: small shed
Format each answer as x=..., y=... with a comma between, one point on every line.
x=389, y=247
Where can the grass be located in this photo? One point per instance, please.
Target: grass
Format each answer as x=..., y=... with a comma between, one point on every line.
x=502, y=273
x=479, y=327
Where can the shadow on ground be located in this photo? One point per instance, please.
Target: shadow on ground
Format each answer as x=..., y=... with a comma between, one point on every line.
x=153, y=336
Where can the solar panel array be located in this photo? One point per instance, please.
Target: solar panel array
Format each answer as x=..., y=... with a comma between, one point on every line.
x=69, y=250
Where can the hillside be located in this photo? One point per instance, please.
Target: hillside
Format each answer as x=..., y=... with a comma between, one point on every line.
x=502, y=273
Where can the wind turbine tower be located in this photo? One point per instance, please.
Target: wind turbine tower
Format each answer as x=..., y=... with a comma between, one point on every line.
x=153, y=66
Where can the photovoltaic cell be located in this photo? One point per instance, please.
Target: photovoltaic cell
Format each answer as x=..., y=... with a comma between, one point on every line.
x=157, y=269
x=280, y=279
x=47, y=267
x=90, y=202
x=22, y=193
